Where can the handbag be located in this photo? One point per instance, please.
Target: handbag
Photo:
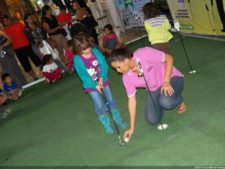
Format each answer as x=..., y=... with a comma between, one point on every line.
x=89, y=22
x=3, y=39
x=63, y=32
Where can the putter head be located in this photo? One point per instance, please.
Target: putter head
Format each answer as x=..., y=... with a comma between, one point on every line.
x=192, y=72
x=121, y=142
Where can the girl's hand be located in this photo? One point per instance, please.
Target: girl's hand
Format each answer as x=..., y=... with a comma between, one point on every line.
x=100, y=82
x=128, y=133
x=167, y=89
x=99, y=88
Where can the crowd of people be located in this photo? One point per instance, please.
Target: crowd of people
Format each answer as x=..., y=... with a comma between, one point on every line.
x=50, y=47
x=46, y=42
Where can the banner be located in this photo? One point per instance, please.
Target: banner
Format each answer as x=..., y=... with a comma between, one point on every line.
x=131, y=12
x=199, y=16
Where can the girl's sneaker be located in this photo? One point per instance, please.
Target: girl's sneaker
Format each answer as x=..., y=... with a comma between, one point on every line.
x=106, y=124
x=118, y=120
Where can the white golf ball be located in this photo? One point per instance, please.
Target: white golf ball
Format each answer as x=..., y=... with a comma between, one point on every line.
x=126, y=140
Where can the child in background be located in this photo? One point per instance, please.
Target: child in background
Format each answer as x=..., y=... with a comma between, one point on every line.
x=69, y=55
x=92, y=69
x=157, y=27
x=50, y=70
x=110, y=40
x=10, y=87
x=52, y=50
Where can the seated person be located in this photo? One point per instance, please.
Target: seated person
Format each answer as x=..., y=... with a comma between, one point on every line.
x=50, y=69
x=50, y=48
x=69, y=55
x=10, y=87
x=110, y=40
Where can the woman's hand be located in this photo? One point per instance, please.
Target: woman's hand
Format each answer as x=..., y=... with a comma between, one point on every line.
x=167, y=89
x=128, y=133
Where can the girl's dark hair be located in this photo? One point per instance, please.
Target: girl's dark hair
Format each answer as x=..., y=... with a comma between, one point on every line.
x=3, y=17
x=46, y=59
x=27, y=15
x=151, y=10
x=82, y=41
x=69, y=43
x=44, y=10
x=109, y=27
x=120, y=54
x=62, y=7
x=5, y=75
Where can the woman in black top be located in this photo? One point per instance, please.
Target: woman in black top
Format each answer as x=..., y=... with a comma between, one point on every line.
x=84, y=16
x=35, y=34
x=54, y=30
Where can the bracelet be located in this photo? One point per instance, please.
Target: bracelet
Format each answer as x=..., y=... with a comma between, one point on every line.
x=166, y=82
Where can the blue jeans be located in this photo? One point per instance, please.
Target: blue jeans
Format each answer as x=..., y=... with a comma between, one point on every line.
x=155, y=105
x=100, y=101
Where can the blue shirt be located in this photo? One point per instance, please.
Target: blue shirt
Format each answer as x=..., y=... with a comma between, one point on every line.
x=1, y=91
x=8, y=88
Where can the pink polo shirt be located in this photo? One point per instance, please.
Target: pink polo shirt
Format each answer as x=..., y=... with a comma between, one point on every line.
x=153, y=66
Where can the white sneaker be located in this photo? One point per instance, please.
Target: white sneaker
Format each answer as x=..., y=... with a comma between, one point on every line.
x=20, y=92
x=8, y=111
x=162, y=127
x=3, y=115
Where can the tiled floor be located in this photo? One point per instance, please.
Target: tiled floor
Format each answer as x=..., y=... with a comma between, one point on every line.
x=133, y=34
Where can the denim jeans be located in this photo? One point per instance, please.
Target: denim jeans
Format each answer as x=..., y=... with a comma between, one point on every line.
x=100, y=100
x=155, y=105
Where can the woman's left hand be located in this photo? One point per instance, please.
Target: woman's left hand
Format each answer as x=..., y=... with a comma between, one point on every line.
x=167, y=89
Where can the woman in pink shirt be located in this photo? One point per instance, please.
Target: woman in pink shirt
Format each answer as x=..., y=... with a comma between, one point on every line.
x=164, y=81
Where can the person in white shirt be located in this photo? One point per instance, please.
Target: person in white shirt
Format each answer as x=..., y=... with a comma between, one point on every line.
x=50, y=69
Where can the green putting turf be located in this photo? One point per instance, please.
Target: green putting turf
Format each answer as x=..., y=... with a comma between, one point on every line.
x=55, y=125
